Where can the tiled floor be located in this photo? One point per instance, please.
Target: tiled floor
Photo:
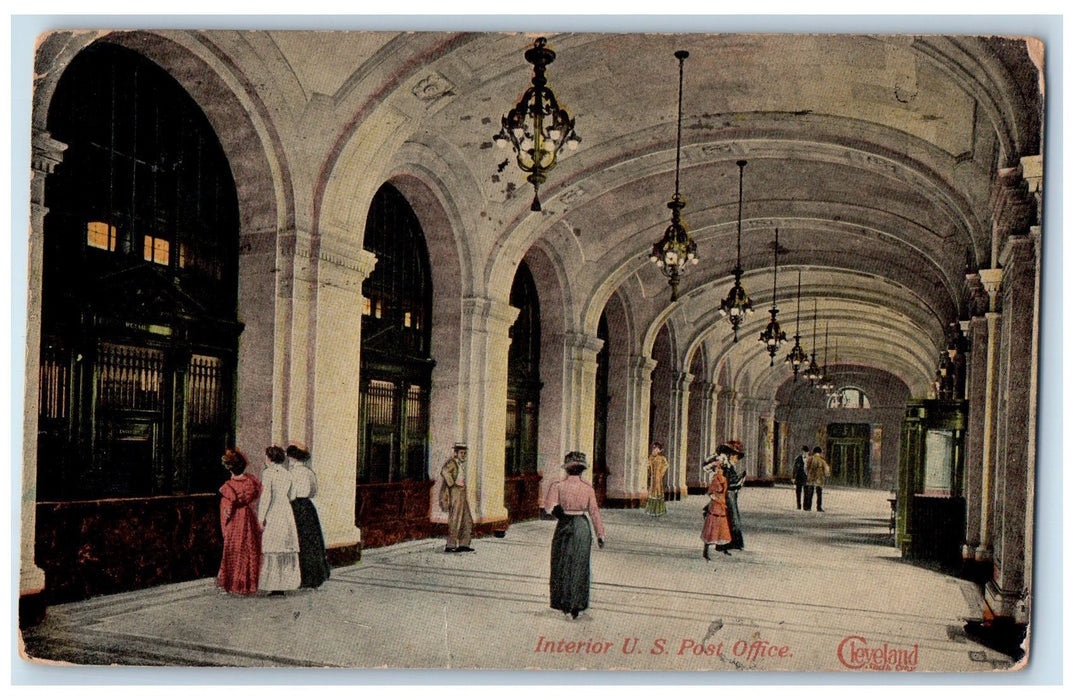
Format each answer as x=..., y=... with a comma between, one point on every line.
x=811, y=592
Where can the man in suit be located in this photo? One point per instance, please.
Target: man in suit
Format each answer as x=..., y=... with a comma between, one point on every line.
x=800, y=477
x=453, y=500
x=816, y=469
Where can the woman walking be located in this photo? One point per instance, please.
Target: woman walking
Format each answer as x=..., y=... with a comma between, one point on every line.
x=717, y=529
x=279, y=537
x=658, y=469
x=570, y=500
x=733, y=452
x=240, y=565
x=312, y=559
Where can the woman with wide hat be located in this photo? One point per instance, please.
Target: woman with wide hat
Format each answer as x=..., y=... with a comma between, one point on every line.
x=312, y=558
x=717, y=528
x=571, y=499
x=732, y=451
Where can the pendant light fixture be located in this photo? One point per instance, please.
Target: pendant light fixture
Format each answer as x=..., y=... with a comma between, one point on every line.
x=537, y=128
x=797, y=356
x=773, y=336
x=812, y=372
x=737, y=304
x=676, y=250
x=824, y=383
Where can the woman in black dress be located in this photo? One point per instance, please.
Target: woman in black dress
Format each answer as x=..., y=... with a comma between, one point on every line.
x=570, y=500
x=312, y=558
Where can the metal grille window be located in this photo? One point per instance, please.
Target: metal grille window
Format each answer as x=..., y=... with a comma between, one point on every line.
x=393, y=431
x=139, y=290
x=129, y=378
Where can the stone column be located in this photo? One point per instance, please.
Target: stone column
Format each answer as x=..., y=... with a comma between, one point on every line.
x=746, y=424
x=325, y=394
x=725, y=398
x=1005, y=593
x=991, y=279
x=976, y=393
x=579, y=392
x=46, y=154
x=483, y=402
x=628, y=487
x=678, y=435
x=766, y=414
x=707, y=439
x=264, y=298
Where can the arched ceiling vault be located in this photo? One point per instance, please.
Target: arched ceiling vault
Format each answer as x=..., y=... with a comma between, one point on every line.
x=874, y=156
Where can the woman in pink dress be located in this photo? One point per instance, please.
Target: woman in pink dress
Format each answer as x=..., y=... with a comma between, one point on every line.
x=240, y=566
x=717, y=529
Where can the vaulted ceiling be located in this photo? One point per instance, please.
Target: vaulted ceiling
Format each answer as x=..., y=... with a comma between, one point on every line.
x=874, y=156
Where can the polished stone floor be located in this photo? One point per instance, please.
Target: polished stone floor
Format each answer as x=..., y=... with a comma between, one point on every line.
x=811, y=592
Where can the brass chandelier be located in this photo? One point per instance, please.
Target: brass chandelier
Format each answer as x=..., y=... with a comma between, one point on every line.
x=676, y=249
x=773, y=336
x=736, y=305
x=537, y=128
x=797, y=356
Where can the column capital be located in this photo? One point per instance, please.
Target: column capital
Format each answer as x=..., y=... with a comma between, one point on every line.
x=489, y=315
x=642, y=367
x=683, y=380
x=583, y=342
x=45, y=152
x=1013, y=207
x=991, y=279
x=1016, y=249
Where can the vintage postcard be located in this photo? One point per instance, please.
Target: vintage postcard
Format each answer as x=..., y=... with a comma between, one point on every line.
x=549, y=350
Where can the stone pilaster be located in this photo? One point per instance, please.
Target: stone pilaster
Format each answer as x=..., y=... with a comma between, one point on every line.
x=579, y=392
x=1006, y=593
x=990, y=279
x=723, y=423
x=747, y=432
x=324, y=408
x=707, y=438
x=629, y=485
x=976, y=397
x=678, y=435
x=766, y=416
x=46, y=154
x=483, y=402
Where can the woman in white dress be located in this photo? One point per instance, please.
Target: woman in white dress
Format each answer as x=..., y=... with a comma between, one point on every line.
x=279, y=538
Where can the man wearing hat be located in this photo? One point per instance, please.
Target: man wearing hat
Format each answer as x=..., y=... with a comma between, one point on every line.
x=817, y=468
x=453, y=501
x=800, y=476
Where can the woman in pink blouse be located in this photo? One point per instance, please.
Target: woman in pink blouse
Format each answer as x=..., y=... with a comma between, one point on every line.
x=570, y=499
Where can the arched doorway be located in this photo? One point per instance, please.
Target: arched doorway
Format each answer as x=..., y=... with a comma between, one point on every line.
x=521, y=479
x=139, y=331
x=392, y=492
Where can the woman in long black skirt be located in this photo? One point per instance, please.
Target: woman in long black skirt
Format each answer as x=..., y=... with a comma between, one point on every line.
x=570, y=500
x=312, y=558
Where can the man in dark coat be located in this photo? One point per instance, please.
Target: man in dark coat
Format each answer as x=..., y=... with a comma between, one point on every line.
x=734, y=451
x=800, y=477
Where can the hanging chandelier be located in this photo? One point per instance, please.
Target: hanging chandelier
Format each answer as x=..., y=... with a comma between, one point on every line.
x=737, y=304
x=676, y=249
x=812, y=372
x=824, y=383
x=537, y=128
x=773, y=336
x=797, y=356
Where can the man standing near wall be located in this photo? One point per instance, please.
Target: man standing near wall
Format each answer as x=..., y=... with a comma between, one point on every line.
x=453, y=501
